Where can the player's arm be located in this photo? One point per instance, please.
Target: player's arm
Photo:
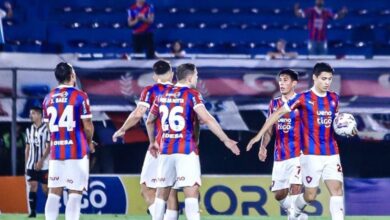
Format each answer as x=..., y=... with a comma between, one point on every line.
x=150, y=18
x=132, y=120
x=214, y=127
x=89, y=129
x=298, y=11
x=44, y=156
x=26, y=154
x=264, y=143
x=150, y=127
x=131, y=21
x=197, y=131
x=272, y=119
x=341, y=14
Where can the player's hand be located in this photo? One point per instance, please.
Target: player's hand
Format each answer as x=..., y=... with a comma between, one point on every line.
x=262, y=154
x=232, y=145
x=141, y=17
x=354, y=133
x=153, y=149
x=92, y=146
x=38, y=165
x=251, y=143
x=344, y=10
x=118, y=134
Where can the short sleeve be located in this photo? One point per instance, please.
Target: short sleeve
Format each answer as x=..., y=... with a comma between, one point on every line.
x=146, y=97
x=85, y=107
x=151, y=9
x=270, y=107
x=294, y=103
x=196, y=99
x=27, y=139
x=130, y=13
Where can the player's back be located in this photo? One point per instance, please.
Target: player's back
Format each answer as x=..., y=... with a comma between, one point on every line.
x=288, y=130
x=176, y=111
x=64, y=108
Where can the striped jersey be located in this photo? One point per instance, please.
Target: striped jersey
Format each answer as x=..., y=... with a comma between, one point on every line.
x=317, y=23
x=288, y=130
x=141, y=26
x=317, y=114
x=63, y=109
x=147, y=98
x=175, y=109
x=37, y=138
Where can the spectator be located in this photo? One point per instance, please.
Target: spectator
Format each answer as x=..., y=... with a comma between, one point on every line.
x=177, y=50
x=318, y=18
x=7, y=12
x=280, y=51
x=140, y=19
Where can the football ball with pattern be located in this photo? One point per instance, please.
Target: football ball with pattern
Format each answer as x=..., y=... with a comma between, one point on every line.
x=344, y=124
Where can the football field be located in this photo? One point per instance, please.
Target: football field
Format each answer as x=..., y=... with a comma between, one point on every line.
x=182, y=217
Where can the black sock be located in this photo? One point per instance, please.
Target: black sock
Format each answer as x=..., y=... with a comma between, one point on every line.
x=32, y=199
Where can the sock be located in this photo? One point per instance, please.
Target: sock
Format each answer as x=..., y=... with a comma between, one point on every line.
x=73, y=206
x=32, y=200
x=52, y=207
x=299, y=205
x=151, y=210
x=159, y=209
x=171, y=215
x=336, y=207
x=285, y=203
x=192, y=208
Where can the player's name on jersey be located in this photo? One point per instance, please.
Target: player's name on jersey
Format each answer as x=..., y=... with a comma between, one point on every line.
x=171, y=100
x=59, y=100
x=62, y=142
x=173, y=135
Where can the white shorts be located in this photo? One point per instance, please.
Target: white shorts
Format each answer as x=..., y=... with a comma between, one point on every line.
x=285, y=173
x=316, y=166
x=178, y=170
x=71, y=174
x=149, y=171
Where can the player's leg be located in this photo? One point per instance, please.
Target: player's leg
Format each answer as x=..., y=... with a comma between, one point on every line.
x=32, y=183
x=56, y=182
x=43, y=179
x=333, y=177
x=280, y=184
x=166, y=177
x=77, y=173
x=188, y=177
x=191, y=202
x=148, y=180
x=311, y=168
x=172, y=212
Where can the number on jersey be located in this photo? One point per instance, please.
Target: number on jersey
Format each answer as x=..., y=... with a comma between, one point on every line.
x=66, y=119
x=175, y=119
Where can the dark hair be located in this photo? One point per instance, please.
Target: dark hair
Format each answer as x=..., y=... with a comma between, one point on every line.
x=322, y=67
x=185, y=70
x=37, y=109
x=161, y=67
x=293, y=74
x=63, y=72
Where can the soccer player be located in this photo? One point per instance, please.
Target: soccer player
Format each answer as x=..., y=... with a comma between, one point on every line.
x=286, y=176
x=163, y=76
x=178, y=109
x=36, y=155
x=317, y=107
x=67, y=112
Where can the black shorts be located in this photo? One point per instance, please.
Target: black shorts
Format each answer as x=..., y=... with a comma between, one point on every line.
x=40, y=176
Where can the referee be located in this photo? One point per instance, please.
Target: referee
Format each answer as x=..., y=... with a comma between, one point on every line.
x=36, y=157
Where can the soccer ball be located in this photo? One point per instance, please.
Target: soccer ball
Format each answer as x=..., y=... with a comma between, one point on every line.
x=344, y=124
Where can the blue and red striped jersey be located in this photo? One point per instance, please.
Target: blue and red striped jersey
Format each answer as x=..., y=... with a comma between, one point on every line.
x=175, y=109
x=63, y=109
x=317, y=114
x=141, y=26
x=317, y=23
x=147, y=98
x=288, y=130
